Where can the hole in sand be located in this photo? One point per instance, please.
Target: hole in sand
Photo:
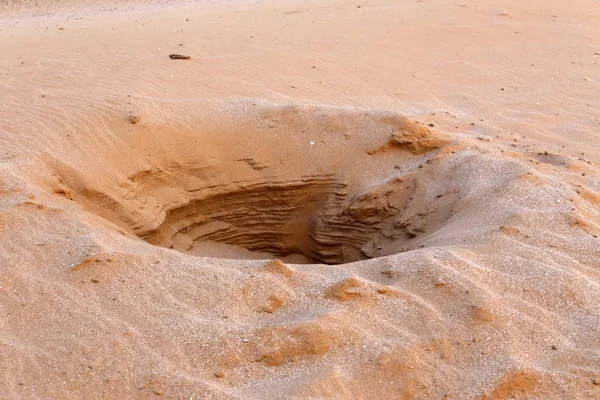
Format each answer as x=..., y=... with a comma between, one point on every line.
x=315, y=218
x=312, y=218
x=304, y=184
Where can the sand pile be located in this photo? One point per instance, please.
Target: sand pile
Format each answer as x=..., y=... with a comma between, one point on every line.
x=374, y=213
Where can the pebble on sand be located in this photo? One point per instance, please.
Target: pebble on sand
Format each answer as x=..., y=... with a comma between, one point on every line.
x=179, y=57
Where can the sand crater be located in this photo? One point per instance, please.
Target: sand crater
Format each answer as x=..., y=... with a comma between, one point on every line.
x=321, y=217
x=324, y=185
x=316, y=216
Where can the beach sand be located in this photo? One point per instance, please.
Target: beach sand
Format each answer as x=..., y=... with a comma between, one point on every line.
x=330, y=199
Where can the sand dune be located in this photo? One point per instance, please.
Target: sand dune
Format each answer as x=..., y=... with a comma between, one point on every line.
x=328, y=200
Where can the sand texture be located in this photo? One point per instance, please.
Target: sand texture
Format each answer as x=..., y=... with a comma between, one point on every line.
x=333, y=199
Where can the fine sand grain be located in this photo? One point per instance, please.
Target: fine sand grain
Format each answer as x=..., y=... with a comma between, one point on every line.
x=330, y=199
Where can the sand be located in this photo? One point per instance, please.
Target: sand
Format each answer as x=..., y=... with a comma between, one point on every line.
x=328, y=200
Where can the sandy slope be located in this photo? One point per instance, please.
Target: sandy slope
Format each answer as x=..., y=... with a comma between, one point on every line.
x=427, y=170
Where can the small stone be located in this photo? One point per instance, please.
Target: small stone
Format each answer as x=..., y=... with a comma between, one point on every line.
x=596, y=381
x=554, y=347
x=179, y=57
x=219, y=374
x=133, y=119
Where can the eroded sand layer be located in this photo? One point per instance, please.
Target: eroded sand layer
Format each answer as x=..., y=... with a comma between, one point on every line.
x=328, y=200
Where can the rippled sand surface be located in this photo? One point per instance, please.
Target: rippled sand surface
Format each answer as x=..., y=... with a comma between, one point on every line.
x=328, y=200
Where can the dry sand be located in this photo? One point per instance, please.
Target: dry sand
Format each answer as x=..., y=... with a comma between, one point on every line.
x=427, y=171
